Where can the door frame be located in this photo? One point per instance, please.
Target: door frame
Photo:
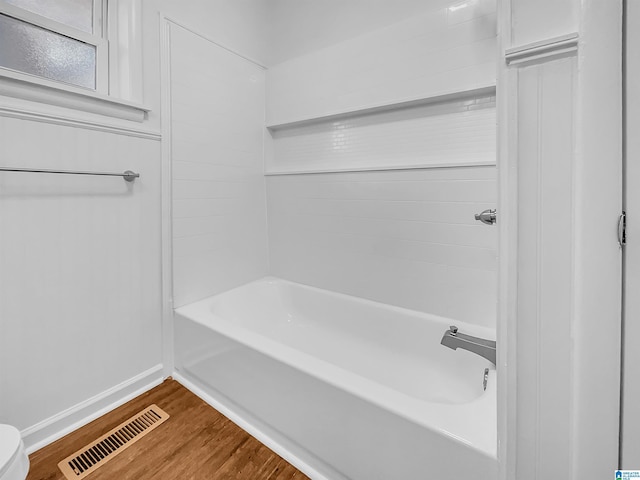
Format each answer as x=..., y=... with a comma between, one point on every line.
x=630, y=394
x=594, y=338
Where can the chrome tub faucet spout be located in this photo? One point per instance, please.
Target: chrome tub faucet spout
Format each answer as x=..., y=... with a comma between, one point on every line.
x=479, y=346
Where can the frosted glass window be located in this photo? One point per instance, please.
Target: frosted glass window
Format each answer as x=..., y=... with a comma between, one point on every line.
x=48, y=54
x=75, y=13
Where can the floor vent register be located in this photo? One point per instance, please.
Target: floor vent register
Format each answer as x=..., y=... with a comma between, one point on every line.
x=91, y=457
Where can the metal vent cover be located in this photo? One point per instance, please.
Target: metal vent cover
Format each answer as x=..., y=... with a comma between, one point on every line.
x=97, y=453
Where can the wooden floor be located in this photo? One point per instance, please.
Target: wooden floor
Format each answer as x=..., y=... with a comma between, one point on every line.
x=197, y=442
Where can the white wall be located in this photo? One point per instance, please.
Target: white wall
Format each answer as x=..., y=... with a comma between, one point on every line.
x=217, y=129
x=545, y=104
x=406, y=238
x=540, y=20
x=79, y=270
x=436, y=52
x=299, y=27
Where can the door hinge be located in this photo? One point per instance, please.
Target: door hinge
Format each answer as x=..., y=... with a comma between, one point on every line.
x=622, y=229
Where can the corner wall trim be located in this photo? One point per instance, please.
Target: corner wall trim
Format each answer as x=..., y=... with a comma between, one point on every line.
x=544, y=49
x=167, y=196
x=60, y=424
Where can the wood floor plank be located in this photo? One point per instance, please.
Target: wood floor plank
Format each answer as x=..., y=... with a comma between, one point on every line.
x=196, y=443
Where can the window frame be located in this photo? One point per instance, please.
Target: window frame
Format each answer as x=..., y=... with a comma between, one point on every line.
x=119, y=71
x=97, y=39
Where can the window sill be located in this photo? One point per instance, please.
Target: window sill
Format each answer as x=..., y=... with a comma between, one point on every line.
x=35, y=89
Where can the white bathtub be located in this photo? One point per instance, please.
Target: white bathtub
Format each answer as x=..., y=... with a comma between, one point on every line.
x=340, y=386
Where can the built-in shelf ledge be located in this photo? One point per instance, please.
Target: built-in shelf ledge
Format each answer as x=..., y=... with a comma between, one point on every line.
x=476, y=92
x=550, y=47
x=381, y=168
x=28, y=87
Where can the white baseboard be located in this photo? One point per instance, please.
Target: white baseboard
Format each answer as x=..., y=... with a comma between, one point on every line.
x=261, y=433
x=59, y=425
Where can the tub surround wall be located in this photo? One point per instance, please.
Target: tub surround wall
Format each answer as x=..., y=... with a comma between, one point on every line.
x=407, y=238
x=241, y=26
x=217, y=127
x=440, y=51
x=302, y=26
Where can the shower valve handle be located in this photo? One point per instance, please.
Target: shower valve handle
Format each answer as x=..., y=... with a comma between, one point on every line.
x=488, y=217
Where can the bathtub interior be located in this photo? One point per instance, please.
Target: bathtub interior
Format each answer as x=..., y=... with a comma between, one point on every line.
x=394, y=347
